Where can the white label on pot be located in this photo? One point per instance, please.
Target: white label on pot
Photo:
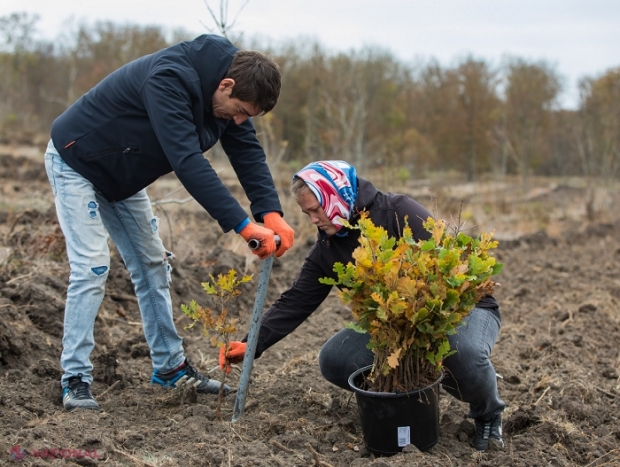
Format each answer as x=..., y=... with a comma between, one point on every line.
x=403, y=436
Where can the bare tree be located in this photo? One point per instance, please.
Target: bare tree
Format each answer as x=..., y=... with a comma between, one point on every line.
x=17, y=32
x=597, y=136
x=478, y=99
x=531, y=91
x=221, y=19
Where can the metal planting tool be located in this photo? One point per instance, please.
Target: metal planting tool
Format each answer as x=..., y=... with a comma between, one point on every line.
x=257, y=314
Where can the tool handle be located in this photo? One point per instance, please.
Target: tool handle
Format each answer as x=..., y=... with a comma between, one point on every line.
x=250, y=350
x=254, y=244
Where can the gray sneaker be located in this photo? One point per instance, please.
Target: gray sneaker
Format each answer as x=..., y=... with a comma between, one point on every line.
x=77, y=395
x=188, y=375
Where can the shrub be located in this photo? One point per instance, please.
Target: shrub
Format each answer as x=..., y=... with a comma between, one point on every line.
x=409, y=296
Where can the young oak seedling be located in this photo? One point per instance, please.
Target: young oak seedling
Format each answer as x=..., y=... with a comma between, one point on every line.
x=216, y=323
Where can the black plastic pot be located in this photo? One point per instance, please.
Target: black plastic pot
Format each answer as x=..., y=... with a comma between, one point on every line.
x=390, y=421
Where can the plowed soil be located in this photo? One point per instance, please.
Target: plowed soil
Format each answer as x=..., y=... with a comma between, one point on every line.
x=558, y=352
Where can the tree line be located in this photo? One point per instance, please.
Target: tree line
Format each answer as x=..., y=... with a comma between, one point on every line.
x=364, y=106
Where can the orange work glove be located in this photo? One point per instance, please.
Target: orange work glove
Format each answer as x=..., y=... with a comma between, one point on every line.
x=264, y=236
x=275, y=222
x=235, y=354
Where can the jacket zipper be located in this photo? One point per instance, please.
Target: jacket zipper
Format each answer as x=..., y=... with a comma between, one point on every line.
x=110, y=151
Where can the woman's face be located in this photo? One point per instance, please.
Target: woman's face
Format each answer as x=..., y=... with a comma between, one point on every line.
x=311, y=206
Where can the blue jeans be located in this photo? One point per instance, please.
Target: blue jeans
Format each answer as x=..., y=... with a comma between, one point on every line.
x=85, y=217
x=470, y=376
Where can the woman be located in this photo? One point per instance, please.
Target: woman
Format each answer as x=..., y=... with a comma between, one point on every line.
x=330, y=192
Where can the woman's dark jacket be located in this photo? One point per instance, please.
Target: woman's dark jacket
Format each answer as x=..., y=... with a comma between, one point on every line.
x=307, y=293
x=153, y=116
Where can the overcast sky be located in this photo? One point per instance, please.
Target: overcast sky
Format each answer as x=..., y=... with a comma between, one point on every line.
x=579, y=37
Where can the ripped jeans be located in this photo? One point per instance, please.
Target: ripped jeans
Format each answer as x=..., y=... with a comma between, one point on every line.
x=85, y=216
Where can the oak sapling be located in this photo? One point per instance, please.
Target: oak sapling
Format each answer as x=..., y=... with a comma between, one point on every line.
x=409, y=296
x=216, y=323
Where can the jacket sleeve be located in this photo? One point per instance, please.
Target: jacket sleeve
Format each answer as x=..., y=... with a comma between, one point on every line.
x=248, y=159
x=168, y=103
x=294, y=306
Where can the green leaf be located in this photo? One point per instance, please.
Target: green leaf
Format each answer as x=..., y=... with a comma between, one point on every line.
x=463, y=239
x=497, y=268
x=452, y=298
x=428, y=245
x=476, y=265
x=355, y=327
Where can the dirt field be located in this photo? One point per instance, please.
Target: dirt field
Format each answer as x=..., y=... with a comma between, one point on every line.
x=557, y=354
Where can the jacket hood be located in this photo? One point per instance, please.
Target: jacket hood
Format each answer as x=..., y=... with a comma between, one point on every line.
x=211, y=57
x=366, y=194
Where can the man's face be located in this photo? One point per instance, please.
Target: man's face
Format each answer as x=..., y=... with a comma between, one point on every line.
x=231, y=108
x=311, y=206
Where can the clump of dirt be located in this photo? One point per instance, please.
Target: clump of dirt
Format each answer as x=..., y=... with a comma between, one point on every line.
x=557, y=357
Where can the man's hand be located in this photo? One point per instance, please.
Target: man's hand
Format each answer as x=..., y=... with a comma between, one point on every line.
x=234, y=354
x=264, y=236
x=275, y=222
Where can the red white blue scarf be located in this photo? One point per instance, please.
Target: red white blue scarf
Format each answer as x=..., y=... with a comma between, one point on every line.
x=334, y=183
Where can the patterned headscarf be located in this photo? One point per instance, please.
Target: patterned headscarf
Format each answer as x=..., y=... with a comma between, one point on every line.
x=334, y=183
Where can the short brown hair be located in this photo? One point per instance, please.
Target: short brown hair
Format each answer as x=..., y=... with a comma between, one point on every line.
x=257, y=79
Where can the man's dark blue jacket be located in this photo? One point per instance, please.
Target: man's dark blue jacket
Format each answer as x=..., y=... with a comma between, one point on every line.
x=153, y=116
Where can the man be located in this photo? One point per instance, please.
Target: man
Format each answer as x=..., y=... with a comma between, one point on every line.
x=152, y=116
x=328, y=192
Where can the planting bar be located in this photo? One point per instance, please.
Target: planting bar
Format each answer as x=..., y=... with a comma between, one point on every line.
x=257, y=314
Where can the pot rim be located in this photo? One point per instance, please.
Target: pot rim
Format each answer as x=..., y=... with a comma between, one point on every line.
x=387, y=395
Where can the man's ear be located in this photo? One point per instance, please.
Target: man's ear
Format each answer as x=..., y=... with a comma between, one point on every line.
x=226, y=83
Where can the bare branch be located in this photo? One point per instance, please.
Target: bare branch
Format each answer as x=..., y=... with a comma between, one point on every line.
x=222, y=23
x=232, y=24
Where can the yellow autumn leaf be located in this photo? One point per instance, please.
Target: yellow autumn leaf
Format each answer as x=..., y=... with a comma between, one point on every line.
x=393, y=359
x=438, y=231
x=407, y=287
x=363, y=257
